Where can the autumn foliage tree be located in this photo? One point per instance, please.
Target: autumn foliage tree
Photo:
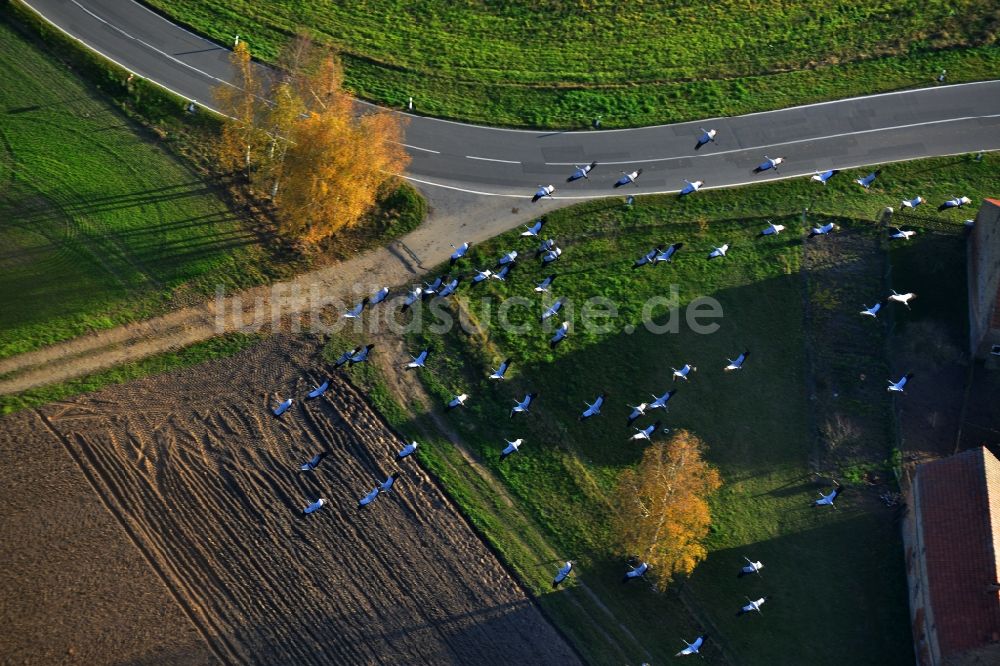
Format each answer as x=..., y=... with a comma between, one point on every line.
x=663, y=512
x=304, y=144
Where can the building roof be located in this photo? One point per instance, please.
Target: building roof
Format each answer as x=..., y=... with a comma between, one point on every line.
x=960, y=519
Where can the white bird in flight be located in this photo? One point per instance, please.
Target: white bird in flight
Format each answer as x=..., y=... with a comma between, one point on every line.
x=668, y=254
x=319, y=390
x=562, y=574
x=314, y=507
x=719, y=251
x=956, y=202
x=867, y=181
x=533, y=230
x=902, y=298
x=313, y=462
x=418, y=360
x=482, y=276
x=543, y=286
x=511, y=447
x=873, y=310
x=661, y=401
x=772, y=229
x=707, y=136
x=823, y=230
x=406, y=450
x=551, y=255
x=897, y=386
x=449, y=288
x=379, y=296
x=457, y=401
x=628, y=178
x=459, y=252
x=691, y=187
x=635, y=572
x=769, y=163
x=553, y=309
x=750, y=567
x=543, y=191
x=822, y=177
x=581, y=172
x=593, y=409
x=829, y=498
x=502, y=273
x=738, y=363
x=914, y=202
x=752, y=606
x=522, y=406
x=360, y=354
x=282, y=407
x=508, y=258
x=356, y=311
x=899, y=234
x=692, y=648
x=648, y=257
x=683, y=372
x=637, y=411
x=644, y=433
x=412, y=297
x=560, y=335
x=502, y=370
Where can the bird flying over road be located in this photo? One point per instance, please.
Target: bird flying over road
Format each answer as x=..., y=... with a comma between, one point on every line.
x=581, y=172
x=543, y=191
x=769, y=163
x=628, y=178
x=707, y=136
x=691, y=187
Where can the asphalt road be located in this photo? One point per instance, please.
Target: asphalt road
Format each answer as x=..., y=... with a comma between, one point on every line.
x=897, y=126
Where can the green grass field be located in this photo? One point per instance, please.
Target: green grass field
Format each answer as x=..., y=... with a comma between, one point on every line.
x=98, y=225
x=561, y=63
x=835, y=577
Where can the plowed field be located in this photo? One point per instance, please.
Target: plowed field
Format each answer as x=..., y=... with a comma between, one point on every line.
x=206, y=484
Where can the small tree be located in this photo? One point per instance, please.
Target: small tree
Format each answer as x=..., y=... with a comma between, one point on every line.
x=242, y=139
x=663, y=513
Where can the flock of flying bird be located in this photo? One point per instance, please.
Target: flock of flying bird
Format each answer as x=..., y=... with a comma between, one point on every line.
x=548, y=252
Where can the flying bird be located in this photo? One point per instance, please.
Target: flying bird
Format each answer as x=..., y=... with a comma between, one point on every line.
x=313, y=462
x=553, y=309
x=738, y=363
x=648, y=257
x=545, y=246
x=825, y=176
x=418, y=360
x=581, y=172
x=379, y=296
x=750, y=567
x=637, y=411
x=503, y=273
x=511, y=447
x=369, y=498
x=897, y=386
x=593, y=409
x=344, y=358
x=824, y=230
x=692, y=648
x=707, y=136
x=899, y=234
x=386, y=485
x=360, y=354
x=691, y=187
x=645, y=433
x=914, y=202
x=543, y=191
x=867, y=181
x=457, y=401
x=661, y=401
x=829, y=498
x=628, y=178
x=683, y=372
x=356, y=311
x=562, y=574
x=873, y=310
x=551, y=255
x=635, y=572
x=522, y=406
x=502, y=370
x=314, y=507
x=956, y=202
x=533, y=230
x=459, y=252
x=319, y=390
x=752, y=606
x=902, y=298
x=406, y=450
x=431, y=288
x=482, y=276
x=543, y=286
x=719, y=251
x=282, y=407
x=772, y=229
x=560, y=335
x=449, y=288
x=508, y=258
x=668, y=254
x=769, y=163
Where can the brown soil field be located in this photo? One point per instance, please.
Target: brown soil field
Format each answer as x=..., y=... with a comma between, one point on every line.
x=205, y=483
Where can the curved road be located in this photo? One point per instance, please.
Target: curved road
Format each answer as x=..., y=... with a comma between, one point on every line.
x=480, y=160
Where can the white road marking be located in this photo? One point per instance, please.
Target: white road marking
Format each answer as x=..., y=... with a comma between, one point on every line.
x=426, y=150
x=490, y=159
x=784, y=143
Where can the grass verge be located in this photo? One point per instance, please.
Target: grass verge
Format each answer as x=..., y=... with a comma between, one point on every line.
x=561, y=64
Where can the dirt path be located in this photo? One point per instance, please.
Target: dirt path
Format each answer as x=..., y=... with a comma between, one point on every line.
x=454, y=218
x=205, y=483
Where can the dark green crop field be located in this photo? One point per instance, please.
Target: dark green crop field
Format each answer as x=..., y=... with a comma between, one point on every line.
x=98, y=224
x=562, y=62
